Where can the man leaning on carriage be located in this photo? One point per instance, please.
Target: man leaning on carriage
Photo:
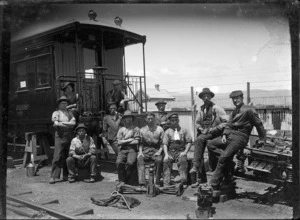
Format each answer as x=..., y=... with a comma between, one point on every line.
x=162, y=141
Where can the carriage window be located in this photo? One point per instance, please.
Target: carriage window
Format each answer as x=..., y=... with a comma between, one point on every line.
x=44, y=70
x=21, y=76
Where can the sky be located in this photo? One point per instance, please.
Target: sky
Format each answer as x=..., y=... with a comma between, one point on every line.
x=220, y=46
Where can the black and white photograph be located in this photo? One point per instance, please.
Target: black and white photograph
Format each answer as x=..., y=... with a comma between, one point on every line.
x=150, y=109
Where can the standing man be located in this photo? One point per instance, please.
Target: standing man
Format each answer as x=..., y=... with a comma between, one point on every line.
x=117, y=96
x=161, y=115
x=177, y=142
x=150, y=149
x=111, y=124
x=82, y=154
x=63, y=122
x=235, y=137
x=128, y=138
x=209, y=116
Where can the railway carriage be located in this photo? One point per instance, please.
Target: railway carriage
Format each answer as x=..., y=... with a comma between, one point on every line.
x=89, y=53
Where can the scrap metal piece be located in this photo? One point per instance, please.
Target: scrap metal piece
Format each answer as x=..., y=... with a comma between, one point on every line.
x=116, y=193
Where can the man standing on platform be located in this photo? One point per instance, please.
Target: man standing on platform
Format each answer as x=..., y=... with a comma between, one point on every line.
x=235, y=137
x=161, y=115
x=208, y=118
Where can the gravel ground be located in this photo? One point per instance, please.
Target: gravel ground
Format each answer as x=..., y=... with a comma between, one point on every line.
x=249, y=203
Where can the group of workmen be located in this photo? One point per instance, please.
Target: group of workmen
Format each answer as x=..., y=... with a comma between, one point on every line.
x=162, y=141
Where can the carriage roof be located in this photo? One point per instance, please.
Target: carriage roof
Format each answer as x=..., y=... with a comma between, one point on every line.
x=45, y=29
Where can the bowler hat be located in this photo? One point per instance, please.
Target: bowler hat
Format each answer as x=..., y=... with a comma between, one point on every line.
x=160, y=102
x=206, y=91
x=62, y=98
x=81, y=126
x=127, y=113
x=173, y=115
x=116, y=82
x=67, y=84
x=236, y=93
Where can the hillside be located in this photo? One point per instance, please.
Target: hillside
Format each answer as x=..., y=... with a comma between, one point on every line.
x=258, y=97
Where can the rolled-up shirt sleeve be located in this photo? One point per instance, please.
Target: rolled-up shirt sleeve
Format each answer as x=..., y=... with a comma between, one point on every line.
x=55, y=116
x=72, y=148
x=187, y=136
x=92, y=149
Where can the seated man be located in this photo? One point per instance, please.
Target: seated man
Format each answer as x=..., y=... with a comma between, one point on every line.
x=82, y=154
x=177, y=142
x=235, y=137
x=128, y=138
x=150, y=149
x=117, y=96
x=161, y=116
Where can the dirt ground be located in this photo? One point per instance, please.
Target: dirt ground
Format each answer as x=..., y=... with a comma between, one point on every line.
x=77, y=195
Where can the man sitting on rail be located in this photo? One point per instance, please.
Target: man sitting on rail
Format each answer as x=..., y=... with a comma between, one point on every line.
x=128, y=138
x=177, y=142
x=150, y=149
x=82, y=154
x=235, y=137
x=209, y=116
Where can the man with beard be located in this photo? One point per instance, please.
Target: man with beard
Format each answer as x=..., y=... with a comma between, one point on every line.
x=209, y=117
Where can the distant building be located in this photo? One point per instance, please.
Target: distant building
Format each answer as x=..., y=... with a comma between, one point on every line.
x=154, y=95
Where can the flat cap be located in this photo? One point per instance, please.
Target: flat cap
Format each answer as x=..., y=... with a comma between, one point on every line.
x=160, y=102
x=150, y=114
x=116, y=82
x=173, y=115
x=236, y=93
x=110, y=103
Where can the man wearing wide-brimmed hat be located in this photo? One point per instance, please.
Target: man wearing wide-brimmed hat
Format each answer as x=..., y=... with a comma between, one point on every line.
x=111, y=125
x=82, y=154
x=234, y=138
x=117, y=96
x=208, y=118
x=161, y=116
x=63, y=121
x=128, y=138
x=177, y=142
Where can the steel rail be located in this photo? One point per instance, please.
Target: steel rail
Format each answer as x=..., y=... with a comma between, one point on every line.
x=36, y=206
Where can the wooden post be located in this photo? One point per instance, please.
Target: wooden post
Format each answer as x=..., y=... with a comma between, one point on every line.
x=4, y=86
x=294, y=23
x=248, y=93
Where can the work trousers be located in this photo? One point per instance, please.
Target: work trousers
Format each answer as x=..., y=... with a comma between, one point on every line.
x=225, y=152
x=90, y=162
x=149, y=156
x=114, y=145
x=125, y=163
x=182, y=167
x=61, y=152
x=198, y=161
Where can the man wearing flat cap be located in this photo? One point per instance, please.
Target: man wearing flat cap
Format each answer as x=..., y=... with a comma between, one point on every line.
x=128, y=138
x=177, y=142
x=161, y=116
x=82, y=154
x=208, y=118
x=63, y=122
x=117, y=96
x=234, y=138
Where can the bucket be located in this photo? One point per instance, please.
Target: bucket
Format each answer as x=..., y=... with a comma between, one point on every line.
x=30, y=170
